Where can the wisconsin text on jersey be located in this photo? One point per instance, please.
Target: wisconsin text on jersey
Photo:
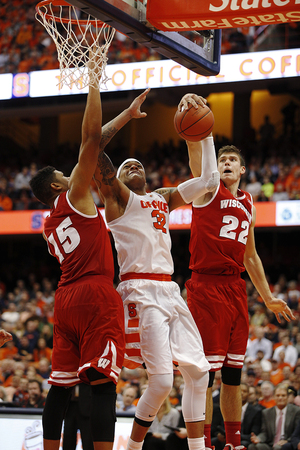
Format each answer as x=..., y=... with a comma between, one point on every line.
x=232, y=203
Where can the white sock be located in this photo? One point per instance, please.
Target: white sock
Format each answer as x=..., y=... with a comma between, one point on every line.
x=196, y=443
x=132, y=445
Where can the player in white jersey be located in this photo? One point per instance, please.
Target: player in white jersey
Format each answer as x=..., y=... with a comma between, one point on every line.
x=160, y=330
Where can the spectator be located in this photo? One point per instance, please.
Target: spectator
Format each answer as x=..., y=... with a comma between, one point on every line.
x=11, y=315
x=278, y=423
x=42, y=351
x=31, y=330
x=251, y=417
x=44, y=368
x=35, y=398
x=260, y=343
x=293, y=184
x=22, y=179
x=290, y=352
x=279, y=194
x=252, y=395
x=177, y=439
x=267, y=390
x=292, y=394
x=6, y=203
x=276, y=376
x=267, y=130
x=21, y=393
x=254, y=188
x=128, y=396
x=267, y=188
x=264, y=363
x=158, y=432
x=9, y=350
x=12, y=388
x=24, y=350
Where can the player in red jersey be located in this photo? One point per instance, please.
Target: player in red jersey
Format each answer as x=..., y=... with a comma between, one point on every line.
x=222, y=245
x=89, y=341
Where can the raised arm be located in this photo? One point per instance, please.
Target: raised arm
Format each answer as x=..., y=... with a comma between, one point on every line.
x=194, y=148
x=113, y=192
x=82, y=173
x=254, y=267
x=203, y=164
x=105, y=173
x=132, y=112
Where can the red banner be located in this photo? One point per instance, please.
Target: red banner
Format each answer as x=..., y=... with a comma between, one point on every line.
x=180, y=15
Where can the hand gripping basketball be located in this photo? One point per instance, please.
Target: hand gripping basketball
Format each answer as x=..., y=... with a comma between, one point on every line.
x=194, y=124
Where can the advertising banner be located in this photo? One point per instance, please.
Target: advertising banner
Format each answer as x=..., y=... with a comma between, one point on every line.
x=268, y=214
x=180, y=15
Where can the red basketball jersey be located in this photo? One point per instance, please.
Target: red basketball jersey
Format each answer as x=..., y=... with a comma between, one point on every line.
x=219, y=233
x=79, y=242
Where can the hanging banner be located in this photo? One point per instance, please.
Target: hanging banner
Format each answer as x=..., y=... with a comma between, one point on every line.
x=180, y=15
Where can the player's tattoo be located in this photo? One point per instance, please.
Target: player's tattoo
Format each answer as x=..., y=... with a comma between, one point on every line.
x=164, y=191
x=106, y=169
x=108, y=132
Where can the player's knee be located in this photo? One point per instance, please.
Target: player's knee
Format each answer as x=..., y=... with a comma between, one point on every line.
x=158, y=389
x=54, y=411
x=211, y=379
x=231, y=376
x=194, y=379
x=103, y=412
x=161, y=384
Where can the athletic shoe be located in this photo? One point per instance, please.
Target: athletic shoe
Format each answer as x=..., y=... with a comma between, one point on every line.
x=231, y=447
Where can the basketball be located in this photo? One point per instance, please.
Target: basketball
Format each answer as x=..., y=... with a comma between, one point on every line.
x=194, y=124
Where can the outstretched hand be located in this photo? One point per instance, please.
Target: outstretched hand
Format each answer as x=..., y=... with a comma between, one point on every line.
x=4, y=337
x=135, y=107
x=193, y=99
x=278, y=306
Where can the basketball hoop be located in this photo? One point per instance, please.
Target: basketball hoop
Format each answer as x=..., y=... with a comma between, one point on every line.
x=78, y=42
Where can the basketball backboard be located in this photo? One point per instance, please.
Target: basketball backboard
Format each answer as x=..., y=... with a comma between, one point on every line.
x=198, y=51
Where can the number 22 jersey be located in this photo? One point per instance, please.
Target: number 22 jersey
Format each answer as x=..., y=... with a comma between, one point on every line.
x=219, y=233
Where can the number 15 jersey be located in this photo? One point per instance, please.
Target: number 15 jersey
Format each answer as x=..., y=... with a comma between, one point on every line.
x=219, y=233
x=79, y=242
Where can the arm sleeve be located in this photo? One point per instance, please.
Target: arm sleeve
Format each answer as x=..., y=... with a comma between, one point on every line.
x=192, y=189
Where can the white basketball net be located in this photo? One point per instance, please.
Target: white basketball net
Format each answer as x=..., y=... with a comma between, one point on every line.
x=78, y=42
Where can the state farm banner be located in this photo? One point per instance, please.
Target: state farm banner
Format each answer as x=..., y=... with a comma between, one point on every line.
x=179, y=15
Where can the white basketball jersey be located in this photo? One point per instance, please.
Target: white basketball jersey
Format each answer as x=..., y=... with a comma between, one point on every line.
x=142, y=237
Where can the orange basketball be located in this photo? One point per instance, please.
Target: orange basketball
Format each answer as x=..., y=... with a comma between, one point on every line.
x=194, y=124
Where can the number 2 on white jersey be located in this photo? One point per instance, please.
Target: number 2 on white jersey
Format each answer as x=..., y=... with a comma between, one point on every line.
x=228, y=231
x=68, y=237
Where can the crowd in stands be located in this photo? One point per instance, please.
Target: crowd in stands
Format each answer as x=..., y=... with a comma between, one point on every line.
x=25, y=46
x=272, y=359
x=272, y=163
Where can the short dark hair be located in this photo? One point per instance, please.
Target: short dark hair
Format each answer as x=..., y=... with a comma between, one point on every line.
x=34, y=380
x=232, y=149
x=40, y=184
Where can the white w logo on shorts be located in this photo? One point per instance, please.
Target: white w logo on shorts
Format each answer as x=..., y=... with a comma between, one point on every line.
x=103, y=362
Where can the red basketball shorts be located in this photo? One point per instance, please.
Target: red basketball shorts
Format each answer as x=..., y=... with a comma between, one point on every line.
x=220, y=310
x=88, y=332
